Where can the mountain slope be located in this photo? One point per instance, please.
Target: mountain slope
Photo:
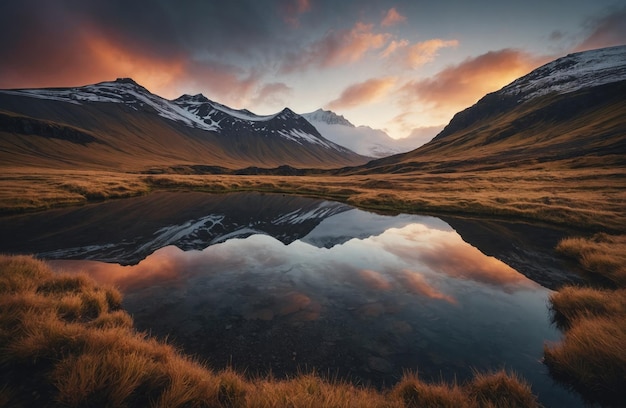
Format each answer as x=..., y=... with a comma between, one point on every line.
x=360, y=139
x=569, y=112
x=121, y=125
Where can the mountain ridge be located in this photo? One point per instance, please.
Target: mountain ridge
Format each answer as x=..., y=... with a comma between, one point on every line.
x=578, y=122
x=129, y=124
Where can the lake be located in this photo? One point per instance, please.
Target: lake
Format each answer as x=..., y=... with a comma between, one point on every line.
x=281, y=284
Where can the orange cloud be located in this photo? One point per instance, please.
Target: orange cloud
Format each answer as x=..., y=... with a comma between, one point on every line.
x=393, y=47
x=466, y=262
x=426, y=51
x=415, y=283
x=392, y=18
x=337, y=48
x=460, y=261
x=460, y=86
x=374, y=280
x=363, y=93
x=158, y=75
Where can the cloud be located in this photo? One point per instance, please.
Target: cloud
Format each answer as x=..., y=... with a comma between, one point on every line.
x=272, y=94
x=76, y=52
x=415, y=282
x=392, y=18
x=459, y=86
x=426, y=51
x=336, y=48
x=606, y=31
x=362, y=93
x=393, y=47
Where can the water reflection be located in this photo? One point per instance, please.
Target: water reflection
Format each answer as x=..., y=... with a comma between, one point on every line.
x=413, y=259
x=416, y=296
x=288, y=283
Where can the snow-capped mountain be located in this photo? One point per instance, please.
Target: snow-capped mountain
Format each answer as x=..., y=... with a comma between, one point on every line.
x=360, y=139
x=225, y=120
x=228, y=137
x=571, y=73
x=569, y=111
x=564, y=75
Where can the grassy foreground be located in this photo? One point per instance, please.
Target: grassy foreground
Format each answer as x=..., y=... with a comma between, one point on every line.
x=566, y=196
x=592, y=356
x=64, y=341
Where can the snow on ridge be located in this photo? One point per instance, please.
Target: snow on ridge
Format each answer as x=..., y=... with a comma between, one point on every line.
x=118, y=92
x=571, y=73
x=299, y=136
x=243, y=114
x=190, y=110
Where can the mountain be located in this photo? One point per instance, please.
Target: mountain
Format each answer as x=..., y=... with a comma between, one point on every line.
x=121, y=125
x=362, y=139
x=569, y=112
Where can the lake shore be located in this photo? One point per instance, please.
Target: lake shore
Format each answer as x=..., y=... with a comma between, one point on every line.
x=68, y=343
x=566, y=197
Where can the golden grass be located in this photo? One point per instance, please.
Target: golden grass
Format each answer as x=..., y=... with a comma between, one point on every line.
x=65, y=342
x=565, y=196
x=572, y=303
x=592, y=356
x=601, y=254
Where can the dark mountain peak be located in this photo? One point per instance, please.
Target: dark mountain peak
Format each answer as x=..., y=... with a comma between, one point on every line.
x=197, y=98
x=126, y=81
x=287, y=113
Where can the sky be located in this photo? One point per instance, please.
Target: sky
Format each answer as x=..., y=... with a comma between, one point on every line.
x=403, y=66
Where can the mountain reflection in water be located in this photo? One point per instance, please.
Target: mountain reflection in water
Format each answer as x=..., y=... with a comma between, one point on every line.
x=284, y=284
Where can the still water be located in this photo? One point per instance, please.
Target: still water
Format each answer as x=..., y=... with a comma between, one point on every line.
x=272, y=283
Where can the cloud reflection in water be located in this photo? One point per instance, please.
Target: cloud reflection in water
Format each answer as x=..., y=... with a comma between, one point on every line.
x=300, y=279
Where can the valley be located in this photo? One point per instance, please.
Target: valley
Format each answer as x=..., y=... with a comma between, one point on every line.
x=546, y=151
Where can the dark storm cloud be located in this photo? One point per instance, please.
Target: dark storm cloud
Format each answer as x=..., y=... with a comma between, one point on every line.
x=166, y=45
x=606, y=31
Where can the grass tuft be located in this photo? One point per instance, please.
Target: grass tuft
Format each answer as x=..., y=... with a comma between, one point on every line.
x=416, y=393
x=591, y=358
x=601, y=254
x=572, y=303
x=501, y=389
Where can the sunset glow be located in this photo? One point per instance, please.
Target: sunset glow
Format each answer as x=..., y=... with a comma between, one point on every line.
x=399, y=66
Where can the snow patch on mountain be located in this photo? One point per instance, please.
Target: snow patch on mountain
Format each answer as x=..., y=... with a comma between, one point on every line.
x=194, y=111
x=193, y=103
x=571, y=73
x=124, y=91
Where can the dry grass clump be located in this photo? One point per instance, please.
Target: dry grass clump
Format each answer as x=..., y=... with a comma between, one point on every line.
x=572, y=303
x=592, y=356
x=65, y=342
x=602, y=254
x=502, y=390
x=486, y=390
